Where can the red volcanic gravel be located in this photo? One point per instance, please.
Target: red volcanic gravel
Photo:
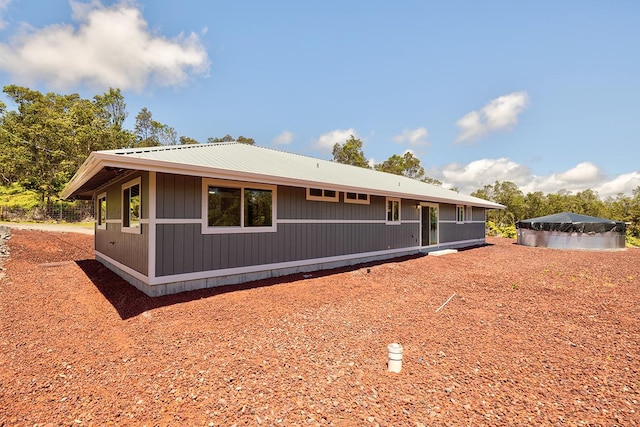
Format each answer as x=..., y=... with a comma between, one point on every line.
x=531, y=337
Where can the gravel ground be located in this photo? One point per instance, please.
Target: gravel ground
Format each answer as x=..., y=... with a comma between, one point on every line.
x=531, y=337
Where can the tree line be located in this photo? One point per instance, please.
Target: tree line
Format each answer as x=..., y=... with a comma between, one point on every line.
x=45, y=139
x=518, y=206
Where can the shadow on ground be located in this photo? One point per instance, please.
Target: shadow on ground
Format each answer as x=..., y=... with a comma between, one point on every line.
x=130, y=302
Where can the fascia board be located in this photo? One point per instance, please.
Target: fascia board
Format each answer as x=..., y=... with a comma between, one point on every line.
x=88, y=169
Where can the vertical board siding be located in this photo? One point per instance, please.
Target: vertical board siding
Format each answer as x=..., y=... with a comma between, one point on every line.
x=305, y=241
x=479, y=214
x=450, y=232
x=182, y=248
x=126, y=248
x=447, y=212
x=178, y=196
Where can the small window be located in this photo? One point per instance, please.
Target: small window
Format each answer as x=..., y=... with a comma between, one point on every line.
x=360, y=198
x=459, y=213
x=469, y=214
x=393, y=211
x=322, y=195
x=131, y=206
x=101, y=211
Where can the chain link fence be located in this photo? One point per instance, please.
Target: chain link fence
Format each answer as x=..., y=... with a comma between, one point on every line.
x=78, y=211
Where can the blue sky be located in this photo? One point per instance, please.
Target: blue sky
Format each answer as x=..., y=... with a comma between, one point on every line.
x=544, y=94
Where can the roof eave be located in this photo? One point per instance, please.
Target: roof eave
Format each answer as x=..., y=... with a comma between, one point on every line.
x=98, y=160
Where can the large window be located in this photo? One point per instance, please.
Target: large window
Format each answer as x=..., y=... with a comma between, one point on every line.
x=101, y=211
x=236, y=207
x=224, y=207
x=131, y=206
x=393, y=211
x=258, y=208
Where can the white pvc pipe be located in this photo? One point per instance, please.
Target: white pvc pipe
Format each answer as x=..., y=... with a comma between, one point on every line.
x=394, y=357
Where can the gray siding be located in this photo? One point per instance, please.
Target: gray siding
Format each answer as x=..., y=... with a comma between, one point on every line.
x=129, y=249
x=447, y=212
x=478, y=214
x=450, y=232
x=178, y=196
x=182, y=248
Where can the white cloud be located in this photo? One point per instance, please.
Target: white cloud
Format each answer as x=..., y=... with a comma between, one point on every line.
x=329, y=139
x=500, y=113
x=585, y=172
x=624, y=183
x=284, y=138
x=413, y=137
x=109, y=46
x=475, y=175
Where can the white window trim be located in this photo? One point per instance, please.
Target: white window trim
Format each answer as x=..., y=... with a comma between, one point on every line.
x=458, y=207
x=323, y=198
x=101, y=225
x=137, y=229
x=357, y=200
x=386, y=218
x=208, y=182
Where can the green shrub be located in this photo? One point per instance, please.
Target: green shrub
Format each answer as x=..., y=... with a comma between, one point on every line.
x=508, y=231
x=632, y=240
x=15, y=196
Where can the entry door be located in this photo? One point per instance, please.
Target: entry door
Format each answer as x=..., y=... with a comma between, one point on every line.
x=429, y=224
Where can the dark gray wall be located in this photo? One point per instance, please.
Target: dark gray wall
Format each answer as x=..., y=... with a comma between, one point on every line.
x=178, y=196
x=181, y=248
x=129, y=249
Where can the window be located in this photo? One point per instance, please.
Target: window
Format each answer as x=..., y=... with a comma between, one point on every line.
x=101, y=211
x=224, y=207
x=235, y=207
x=356, y=198
x=131, y=206
x=469, y=214
x=459, y=213
x=258, y=211
x=393, y=211
x=323, y=195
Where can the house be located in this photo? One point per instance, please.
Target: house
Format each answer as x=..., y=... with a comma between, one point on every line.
x=177, y=218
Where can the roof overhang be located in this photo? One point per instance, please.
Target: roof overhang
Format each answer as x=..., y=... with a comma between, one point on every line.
x=102, y=167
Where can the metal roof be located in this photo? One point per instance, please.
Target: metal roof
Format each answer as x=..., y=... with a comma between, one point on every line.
x=240, y=161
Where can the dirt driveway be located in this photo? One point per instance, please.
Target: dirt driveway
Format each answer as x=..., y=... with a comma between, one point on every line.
x=531, y=337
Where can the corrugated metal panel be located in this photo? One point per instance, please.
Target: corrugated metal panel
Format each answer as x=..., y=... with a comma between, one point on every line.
x=237, y=159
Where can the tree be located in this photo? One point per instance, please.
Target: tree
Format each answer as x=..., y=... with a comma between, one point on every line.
x=245, y=140
x=350, y=153
x=164, y=134
x=436, y=182
x=406, y=165
x=144, y=129
x=46, y=137
x=229, y=138
x=112, y=107
x=185, y=140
